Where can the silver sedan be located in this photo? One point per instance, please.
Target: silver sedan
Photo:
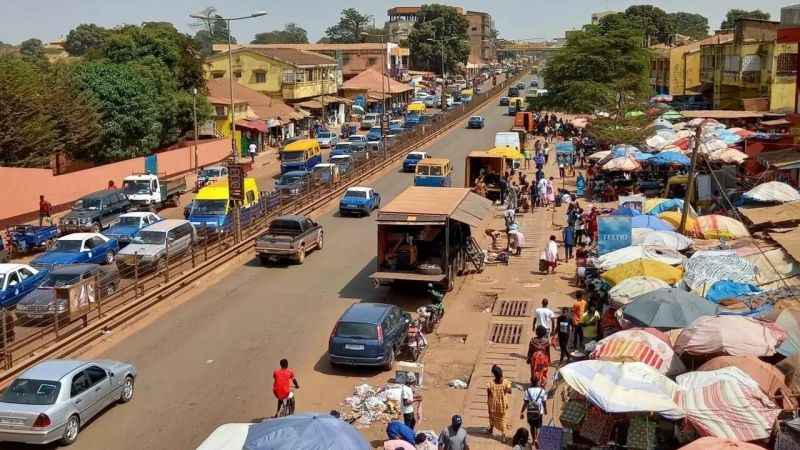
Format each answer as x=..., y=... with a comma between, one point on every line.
x=50, y=401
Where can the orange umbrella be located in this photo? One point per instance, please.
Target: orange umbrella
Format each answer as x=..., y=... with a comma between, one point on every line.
x=713, y=443
x=768, y=377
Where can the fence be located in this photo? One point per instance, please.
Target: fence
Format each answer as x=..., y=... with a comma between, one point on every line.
x=41, y=331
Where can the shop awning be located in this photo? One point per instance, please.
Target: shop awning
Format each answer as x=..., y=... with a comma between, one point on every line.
x=780, y=159
x=253, y=124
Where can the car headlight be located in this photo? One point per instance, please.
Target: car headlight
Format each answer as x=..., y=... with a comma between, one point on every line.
x=62, y=307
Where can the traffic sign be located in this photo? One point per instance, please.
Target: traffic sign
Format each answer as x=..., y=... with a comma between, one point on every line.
x=236, y=182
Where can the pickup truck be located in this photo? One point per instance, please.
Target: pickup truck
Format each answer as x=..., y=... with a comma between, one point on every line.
x=290, y=236
x=153, y=192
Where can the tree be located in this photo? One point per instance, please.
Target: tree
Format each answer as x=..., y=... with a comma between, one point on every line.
x=32, y=50
x=620, y=130
x=349, y=28
x=735, y=14
x=85, y=38
x=688, y=24
x=76, y=117
x=439, y=22
x=211, y=32
x=290, y=34
x=652, y=21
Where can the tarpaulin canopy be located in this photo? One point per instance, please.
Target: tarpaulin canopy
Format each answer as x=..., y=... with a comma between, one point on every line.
x=667, y=204
x=625, y=211
x=727, y=289
x=702, y=270
x=622, y=164
x=668, y=308
x=416, y=107
x=643, y=267
x=628, y=289
x=715, y=443
x=669, y=159
x=622, y=387
x=769, y=378
x=645, y=345
x=721, y=407
x=565, y=147
x=652, y=222
x=597, y=156
x=773, y=191
x=506, y=152
x=667, y=239
x=730, y=335
x=634, y=252
x=624, y=150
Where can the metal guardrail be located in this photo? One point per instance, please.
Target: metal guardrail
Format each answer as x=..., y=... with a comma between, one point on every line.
x=53, y=334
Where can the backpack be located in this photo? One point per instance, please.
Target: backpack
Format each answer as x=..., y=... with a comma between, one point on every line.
x=534, y=413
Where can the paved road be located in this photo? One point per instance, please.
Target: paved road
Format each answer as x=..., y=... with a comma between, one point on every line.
x=209, y=361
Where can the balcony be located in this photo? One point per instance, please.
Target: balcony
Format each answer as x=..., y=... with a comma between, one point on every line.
x=306, y=89
x=752, y=77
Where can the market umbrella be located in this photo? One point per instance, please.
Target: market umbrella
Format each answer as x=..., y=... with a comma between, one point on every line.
x=715, y=226
x=622, y=387
x=643, y=267
x=668, y=308
x=652, y=222
x=634, y=252
x=789, y=320
x=730, y=335
x=773, y=191
x=308, y=431
x=667, y=204
x=628, y=289
x=728, y=290
x=728, y=155
x=668, y=239
x=597, y=156
x=769, y=378
x=707, y=270
x=645, y=345
x=715, y=443
x=674, y=219
x=622, y=164
x=634, y=114
x=638, y=235
x=672, y=115
x=670, y=159
x=626, y=212
x=662, y=123
x=506, y=152
x=726, y=403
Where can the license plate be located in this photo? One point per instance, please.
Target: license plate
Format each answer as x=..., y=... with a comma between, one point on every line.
x=353, y=347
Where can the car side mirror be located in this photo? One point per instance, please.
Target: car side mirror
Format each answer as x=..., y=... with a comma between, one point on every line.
x=12, y=283
x=110, y=374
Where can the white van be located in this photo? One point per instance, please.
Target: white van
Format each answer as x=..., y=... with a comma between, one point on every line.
x=507, y=139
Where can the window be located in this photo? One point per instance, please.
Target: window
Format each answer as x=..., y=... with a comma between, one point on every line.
x=13, y=279
x=474, y=28
x=220, y=110
x=260, y=76
x=345, y=59
x=96, y=241
x=96, y=374
x=288, y=77
x=80, y=383
x=787, y=64
x=25, y=273
x=372, y=61
x=237, y=74
x=217, y=75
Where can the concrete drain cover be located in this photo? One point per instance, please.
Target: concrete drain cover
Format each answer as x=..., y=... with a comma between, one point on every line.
x=505, y=333
x=512, y=308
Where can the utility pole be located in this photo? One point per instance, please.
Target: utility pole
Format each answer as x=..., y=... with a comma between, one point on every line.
x=196, y=132
x=687, y=199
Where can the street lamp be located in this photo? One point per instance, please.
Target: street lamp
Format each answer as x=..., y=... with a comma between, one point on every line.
x=228, y=21
x=444, y=77
x=194, y=120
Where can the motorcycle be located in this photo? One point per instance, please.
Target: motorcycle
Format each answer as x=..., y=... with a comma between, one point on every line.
x=430, y=315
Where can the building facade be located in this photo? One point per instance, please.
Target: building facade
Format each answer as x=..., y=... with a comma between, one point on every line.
x=481, y=39
x=401, y=22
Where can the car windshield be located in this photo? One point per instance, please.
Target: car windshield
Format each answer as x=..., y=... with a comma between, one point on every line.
x=136, y=186
x=209, y=173
x=344, y=147
x=88, y=203
x=356, y=194
x=324, y=134
x=210, y=207
x=475, y=118
x=150, y=237
x=130, y=221
x=356, y=330
x=31, y=392
x=290, y=179
x=293, y=156
x=68, y=245
x=356, y=138
x=414, y=156
x=55, y=280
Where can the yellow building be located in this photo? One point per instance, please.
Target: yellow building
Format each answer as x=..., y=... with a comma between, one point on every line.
x=290, y=74
x=684, y=65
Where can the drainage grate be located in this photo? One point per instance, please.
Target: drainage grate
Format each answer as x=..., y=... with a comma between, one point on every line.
x=506, y=333
x=512, y=308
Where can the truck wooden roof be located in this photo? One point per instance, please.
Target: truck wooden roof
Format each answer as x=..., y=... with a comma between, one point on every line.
x=434, y=205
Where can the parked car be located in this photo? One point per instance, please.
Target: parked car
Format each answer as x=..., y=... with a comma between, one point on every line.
x=475, y=122
x=25, y=238
x=358, y=141
x=52, y=400
x=210, y=175
x=292, y=183
x=504, y=101
x=16, y=281
x=375, y=134
x=368, y=334
x=410, y=163
x=342, y=148
x=359, y=200
x=78, y=248
x=327, y=139
x=129, y=224
x=95, y=212
x=151, y=246
x=290, y=236
x=370, y=120
x=42, y=302
x=343, y=162
x=396, y=127
x=431, y=101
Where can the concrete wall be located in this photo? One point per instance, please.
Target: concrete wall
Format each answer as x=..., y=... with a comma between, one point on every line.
x=21, y=187
x=783, y=88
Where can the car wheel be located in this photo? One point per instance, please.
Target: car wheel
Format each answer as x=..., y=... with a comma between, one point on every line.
x=265, y=260
x=109, y=258
x=390, y=360
x=71, y=429
x=301, y=255
x=161, y=264
x=127, y=390
x=321, y=240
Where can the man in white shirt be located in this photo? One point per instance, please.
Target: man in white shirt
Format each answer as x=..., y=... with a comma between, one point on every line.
x=534, y=406
x=252, y=150
x=544, y=317
x=407, y=400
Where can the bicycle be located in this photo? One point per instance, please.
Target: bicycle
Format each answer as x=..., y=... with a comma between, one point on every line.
x=287, y=408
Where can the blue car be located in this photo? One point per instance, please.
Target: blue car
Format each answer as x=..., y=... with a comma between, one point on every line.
x=396, y=127
x=368, y=334
x=129, y=224
x=342, y=148
x=410, y=163
x=359, y=200
x=374, y=134
x=78, y=248
x=475, y=122
x=16, y=281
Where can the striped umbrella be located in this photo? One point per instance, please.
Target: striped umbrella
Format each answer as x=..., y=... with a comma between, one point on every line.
x=646, y=345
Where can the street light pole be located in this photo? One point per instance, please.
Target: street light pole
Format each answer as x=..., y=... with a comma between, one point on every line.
x=196, y=132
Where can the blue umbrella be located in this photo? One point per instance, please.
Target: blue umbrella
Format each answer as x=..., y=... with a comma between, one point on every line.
x=626, y=212
x=565, y=147
x=642, y=156
x=624, y=150
x=652, y=222
x=669, y=159
x=310, y=431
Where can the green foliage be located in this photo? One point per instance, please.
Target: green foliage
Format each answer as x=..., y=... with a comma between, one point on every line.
x=85, y=38
x=211, y=31
x=735, y=14
x=619, y=130
x=439, y=22
x=688, y=24
x=290, y=34
x=652, y=21
x=349, y=28
x=32, y=50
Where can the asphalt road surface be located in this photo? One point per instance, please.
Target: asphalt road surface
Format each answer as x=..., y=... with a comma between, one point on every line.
x=209, y=361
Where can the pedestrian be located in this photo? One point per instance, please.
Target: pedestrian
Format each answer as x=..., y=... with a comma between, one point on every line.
x=498, y=390
x=580, y=185
x=422, y=443
x=551, y=192
x=569, y=241
x=528, y=157
x=578, y=309
x=515, y=240
x=564, y=329
x=534, y=408
x=509, y=216
x=252, y=150
x=539, y=356
x=538, y=160
x=111, y=184
x=45, y=211
x=539, y=175
x=561, y=168
x=546, y=150
x=589, y=322
x=400, y=431
x=544, y=317
x=551, y=254
x=397, y=444
x=453, y=436
x=407, y=397
x=520, y=440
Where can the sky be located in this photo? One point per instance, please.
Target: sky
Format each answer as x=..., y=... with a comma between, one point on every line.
x=49, y=20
